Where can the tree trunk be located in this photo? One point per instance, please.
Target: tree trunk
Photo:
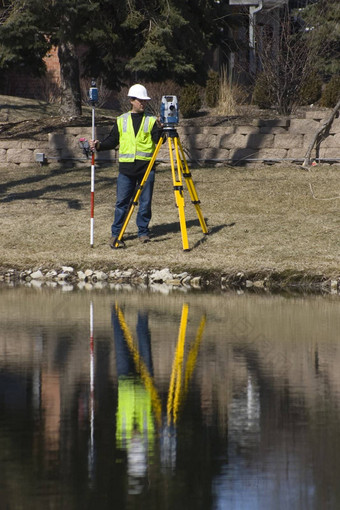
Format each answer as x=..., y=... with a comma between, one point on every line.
x=321, y=133
x=69, y=80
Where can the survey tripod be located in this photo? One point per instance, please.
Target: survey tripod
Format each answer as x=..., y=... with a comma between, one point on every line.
x=181, y=171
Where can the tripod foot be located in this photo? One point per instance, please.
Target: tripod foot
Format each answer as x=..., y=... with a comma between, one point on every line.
x=115, y=243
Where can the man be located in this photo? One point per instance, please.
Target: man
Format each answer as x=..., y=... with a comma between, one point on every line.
x=137, y=134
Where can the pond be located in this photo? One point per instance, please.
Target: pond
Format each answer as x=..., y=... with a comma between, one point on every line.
x=140, y=400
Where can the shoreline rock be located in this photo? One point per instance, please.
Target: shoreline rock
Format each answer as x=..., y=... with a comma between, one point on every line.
x=164, y=279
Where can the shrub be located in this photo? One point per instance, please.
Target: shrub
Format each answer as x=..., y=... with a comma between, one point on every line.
x=262, y=93
x=311, y=89
x=331, y=92
x=212, y=89
x=190, y=101
x=230, y=95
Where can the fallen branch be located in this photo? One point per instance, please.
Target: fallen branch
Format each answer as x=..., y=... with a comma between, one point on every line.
x=322, y=129
x=316, y=198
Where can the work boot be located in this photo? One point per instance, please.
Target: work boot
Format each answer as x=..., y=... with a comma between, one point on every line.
x=114, y=241
x=144, y=239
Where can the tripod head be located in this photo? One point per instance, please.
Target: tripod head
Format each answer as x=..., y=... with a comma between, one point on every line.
x=170, y=132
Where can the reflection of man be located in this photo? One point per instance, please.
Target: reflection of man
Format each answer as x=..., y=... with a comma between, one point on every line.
x=134, y=420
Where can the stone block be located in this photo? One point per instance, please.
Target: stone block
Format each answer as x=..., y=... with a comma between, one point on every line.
x=317, y=114
x=56, y=140
x=84, y=132
x=34, y=144
x=73, y=142
x=211, y=154
x=233, y=141
x=329, y=153
x=194, y=154
x=219, y=130
x=257, y=141
x=54, y=154
x=74, y=130
x=3, y=154
x=281, y=122
x=243, y=154
x=20, y=156
x=69, y=153
x=288, y=141
x=335, y=127
x=331, y=141
x=273, y=130
x=272, y=154
x=188, y=130
x=10, y=144
x=24, y=165
x=201, y=141
x=247, y=130
x=295, y=153
x=303, y=126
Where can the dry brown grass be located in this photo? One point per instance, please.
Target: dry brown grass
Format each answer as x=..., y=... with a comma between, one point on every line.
x=261, y=219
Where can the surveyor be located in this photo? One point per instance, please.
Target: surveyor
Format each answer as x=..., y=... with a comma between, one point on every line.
x=137, y=134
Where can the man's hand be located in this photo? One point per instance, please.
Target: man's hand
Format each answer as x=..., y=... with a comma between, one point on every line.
x=94, y=144
x=159, y=123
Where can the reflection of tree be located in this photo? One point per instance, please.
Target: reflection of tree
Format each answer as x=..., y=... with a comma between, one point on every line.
x=51, y=408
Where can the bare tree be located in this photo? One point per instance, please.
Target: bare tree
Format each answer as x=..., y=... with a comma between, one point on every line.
x=285, y=61
x=321, y=133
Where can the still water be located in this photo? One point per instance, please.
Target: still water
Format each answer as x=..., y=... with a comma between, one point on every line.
x=138, y=400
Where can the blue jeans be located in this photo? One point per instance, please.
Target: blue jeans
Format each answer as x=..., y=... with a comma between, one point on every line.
x=126, y=190
x=125, y=363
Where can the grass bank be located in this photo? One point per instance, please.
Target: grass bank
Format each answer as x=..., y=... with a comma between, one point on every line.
x=279, y=220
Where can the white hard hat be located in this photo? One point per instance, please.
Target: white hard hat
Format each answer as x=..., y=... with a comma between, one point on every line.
x=138, y=91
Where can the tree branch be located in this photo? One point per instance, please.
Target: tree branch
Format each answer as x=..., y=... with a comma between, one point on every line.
x=321, y=130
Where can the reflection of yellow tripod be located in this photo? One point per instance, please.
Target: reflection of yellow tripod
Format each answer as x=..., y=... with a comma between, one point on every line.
x=182, y=170
x=180, y=369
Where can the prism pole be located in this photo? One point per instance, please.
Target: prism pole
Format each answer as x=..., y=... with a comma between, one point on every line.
x=93, y=95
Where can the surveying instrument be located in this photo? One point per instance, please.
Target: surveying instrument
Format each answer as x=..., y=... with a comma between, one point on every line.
x=169, y=119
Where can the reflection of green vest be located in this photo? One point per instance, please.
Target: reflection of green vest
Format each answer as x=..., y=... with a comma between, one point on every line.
x=131, y=146
x=134, y=411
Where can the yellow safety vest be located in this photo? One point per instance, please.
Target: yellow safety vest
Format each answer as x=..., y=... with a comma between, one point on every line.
x=133, y=147
x=134, y=412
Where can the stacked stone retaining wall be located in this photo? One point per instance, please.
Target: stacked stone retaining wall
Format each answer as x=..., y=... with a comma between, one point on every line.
x=260, y=140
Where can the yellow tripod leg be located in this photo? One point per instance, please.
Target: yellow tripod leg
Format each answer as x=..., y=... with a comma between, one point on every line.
x=139, y=191
x=140, y=365
x=192, y=356
x=179, y=197
x=191, y=187
x=174, y=396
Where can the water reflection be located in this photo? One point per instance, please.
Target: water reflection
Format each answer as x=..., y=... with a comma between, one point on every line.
x=139, y=412
x=136, y=400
